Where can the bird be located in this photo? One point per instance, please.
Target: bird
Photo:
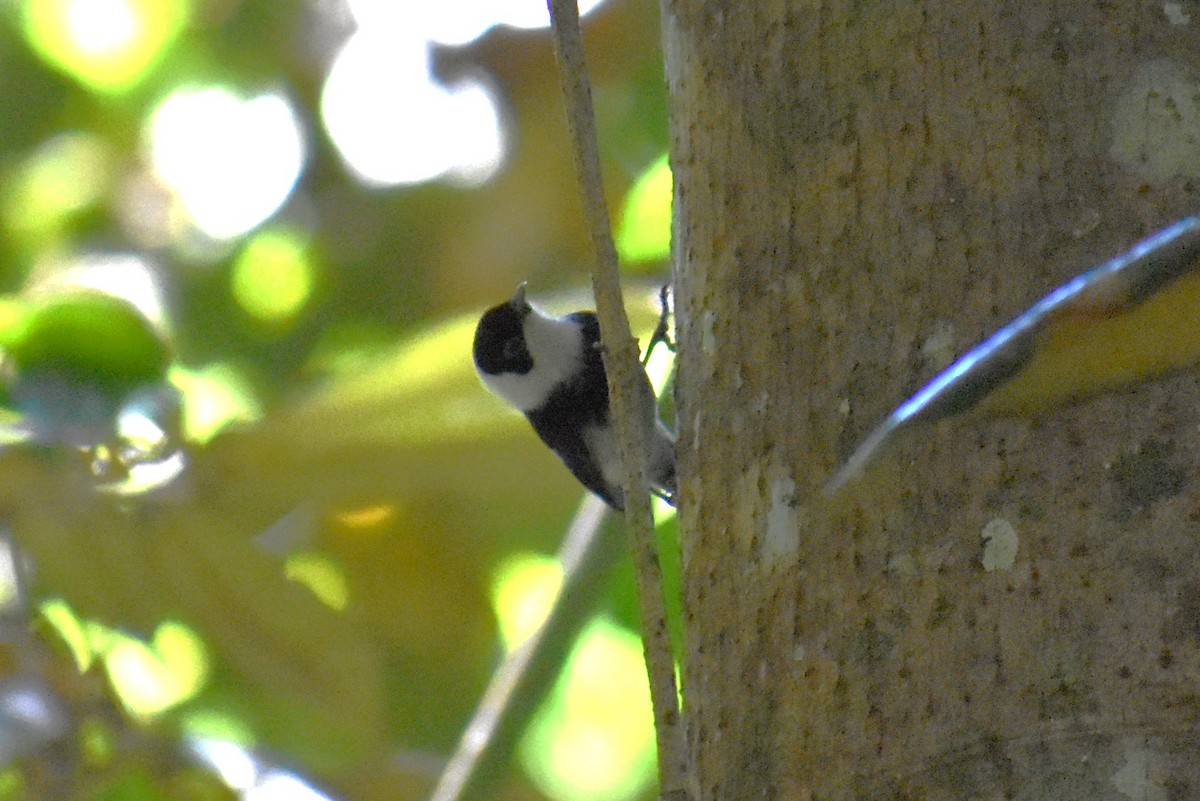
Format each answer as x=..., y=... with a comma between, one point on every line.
x=551, y=369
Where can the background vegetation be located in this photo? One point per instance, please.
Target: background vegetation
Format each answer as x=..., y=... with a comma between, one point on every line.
x=310, y=203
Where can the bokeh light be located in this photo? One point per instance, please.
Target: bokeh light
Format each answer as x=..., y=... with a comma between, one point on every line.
x=392, y=121
x=594, y=739
x=253, y=778
x=206, y=724
x=231, y=161
x=106, y=45
x=66, y=174
x=279, y=785
x=9, y=577
x=645, y=230
x=132, y=277
x=524, y=587
x=214, y=396
x=393, y=124
x=58, y=614
x=148, y=677
x=236, y=765
x=32, y=716
x=272, y=277
x=459, y=22
x=152, y=677
x=322, y=576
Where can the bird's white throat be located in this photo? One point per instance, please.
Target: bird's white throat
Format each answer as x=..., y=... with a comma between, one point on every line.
x=556, y=346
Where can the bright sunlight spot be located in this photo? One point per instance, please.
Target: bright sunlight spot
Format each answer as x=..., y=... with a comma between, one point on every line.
x=594, y=739
x=148, y=420
x=523, y=590
x=322, y=576
x=366, y=516
x=253, y=779
x=150, y=678
x=459, y=22
x=645, y=230
x=206, y=725
x=391, y=120
x=9, y=586
x=129, y=276
x=278, y=785
x=394, y=124
x=273, y=276
x=106, y=45
x=231, y=161
x=214, y=396
x=62, y=619
x=235, y=765
x=14, y=316
x=66, y=174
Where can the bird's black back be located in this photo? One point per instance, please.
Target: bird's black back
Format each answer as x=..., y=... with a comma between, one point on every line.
x=576, y=407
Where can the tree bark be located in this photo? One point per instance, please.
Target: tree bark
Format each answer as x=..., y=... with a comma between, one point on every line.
x=864, y=190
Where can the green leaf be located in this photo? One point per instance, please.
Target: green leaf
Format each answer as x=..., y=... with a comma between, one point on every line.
x=90, y=337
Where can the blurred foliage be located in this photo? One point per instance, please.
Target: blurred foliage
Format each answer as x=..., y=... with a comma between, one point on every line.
x=253, y=490
x=645, y=232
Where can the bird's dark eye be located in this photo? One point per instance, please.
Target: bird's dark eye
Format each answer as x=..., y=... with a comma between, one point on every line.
x=514, y=348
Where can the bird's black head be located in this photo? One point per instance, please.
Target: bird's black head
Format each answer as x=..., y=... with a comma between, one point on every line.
x=500, y=345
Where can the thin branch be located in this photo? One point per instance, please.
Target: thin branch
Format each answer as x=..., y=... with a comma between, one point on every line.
x=588, y=553
x=621, y=363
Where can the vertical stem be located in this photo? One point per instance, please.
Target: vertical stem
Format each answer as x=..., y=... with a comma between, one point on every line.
x=621, y=363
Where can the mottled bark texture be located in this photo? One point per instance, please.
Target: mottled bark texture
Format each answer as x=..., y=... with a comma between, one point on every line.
x=862, y=191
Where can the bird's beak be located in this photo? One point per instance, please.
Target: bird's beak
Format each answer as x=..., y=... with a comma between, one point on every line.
x=518, y=298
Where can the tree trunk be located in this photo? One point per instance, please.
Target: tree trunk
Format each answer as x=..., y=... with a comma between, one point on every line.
x=864, y=190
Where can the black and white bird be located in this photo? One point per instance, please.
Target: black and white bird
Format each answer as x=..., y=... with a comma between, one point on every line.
x=551, y=370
